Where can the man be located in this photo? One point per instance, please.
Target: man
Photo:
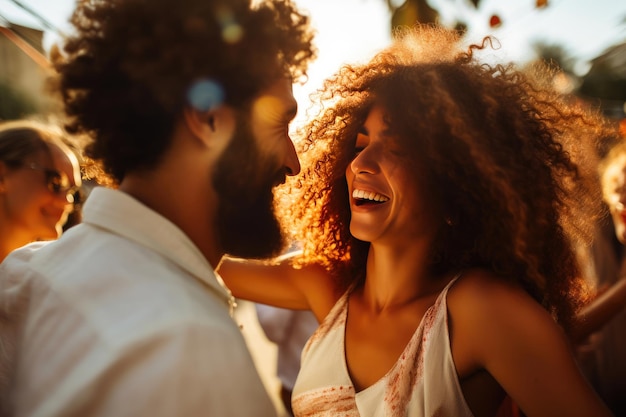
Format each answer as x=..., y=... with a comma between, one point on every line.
x=188, y=102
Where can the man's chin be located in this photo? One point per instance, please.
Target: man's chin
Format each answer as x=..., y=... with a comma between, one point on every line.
x=48, y=235
x=253, y=234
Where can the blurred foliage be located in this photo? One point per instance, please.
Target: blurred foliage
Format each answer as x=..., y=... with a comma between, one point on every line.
x=605, y=80
x=410, y=12
x=14, y=104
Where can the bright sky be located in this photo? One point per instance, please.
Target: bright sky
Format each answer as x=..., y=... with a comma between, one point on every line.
x=584, y=28
x=351, y=30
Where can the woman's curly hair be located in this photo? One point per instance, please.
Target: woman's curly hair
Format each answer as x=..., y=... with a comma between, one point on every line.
x=125, y=73
x=509, y=164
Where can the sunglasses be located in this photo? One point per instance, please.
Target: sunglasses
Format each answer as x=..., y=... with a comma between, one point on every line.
x=57, y=182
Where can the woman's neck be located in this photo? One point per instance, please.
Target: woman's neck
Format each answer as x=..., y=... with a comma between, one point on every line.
x=395, y=276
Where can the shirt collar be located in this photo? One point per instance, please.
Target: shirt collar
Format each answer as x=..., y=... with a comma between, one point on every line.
x=122, y=214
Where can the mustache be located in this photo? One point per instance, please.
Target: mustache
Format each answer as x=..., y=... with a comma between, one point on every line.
x=281, y=177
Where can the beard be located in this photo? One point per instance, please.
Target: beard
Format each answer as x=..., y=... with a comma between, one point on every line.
x=244, y=180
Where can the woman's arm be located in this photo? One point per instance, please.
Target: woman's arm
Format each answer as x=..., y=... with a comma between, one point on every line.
x=600, y=311
x=500, y=328
x=278, y=283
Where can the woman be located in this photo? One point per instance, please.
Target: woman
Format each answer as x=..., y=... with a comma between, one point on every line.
x=39, y=175
x=437, y=218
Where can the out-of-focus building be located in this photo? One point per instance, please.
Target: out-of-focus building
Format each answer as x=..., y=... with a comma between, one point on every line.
x=606, y=81
x=24, y=70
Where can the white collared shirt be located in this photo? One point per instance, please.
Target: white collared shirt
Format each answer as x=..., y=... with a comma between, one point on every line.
x=122, y=316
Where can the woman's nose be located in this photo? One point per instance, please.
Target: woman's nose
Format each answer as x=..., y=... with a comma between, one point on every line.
x=66, y=197
x=69, y=198
x=363, y=163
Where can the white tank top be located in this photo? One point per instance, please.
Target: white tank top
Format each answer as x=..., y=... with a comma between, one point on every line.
x=422, y=383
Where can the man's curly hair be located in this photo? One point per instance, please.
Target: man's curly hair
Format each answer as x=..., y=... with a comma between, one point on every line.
x=125, y=73
x=508, y=163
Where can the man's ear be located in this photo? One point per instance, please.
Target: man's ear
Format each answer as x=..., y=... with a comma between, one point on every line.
x=201, y=124
x=210, y=126
x=3, y=172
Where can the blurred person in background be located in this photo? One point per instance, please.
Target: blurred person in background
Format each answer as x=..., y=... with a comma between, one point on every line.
x=289, y=330
x=188, y=104
x=39, y=177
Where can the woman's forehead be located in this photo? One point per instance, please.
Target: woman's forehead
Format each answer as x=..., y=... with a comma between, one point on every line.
x=616, y=170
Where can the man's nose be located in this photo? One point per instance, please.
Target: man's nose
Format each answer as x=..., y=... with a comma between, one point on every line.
x=292, y=163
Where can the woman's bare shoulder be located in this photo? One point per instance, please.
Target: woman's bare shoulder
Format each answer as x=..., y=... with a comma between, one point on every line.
x=487, y=312
x=495, y=325
x=481, y=292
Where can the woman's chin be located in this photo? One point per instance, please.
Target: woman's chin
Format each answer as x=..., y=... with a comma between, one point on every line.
x=50, y=233
x=620, y=233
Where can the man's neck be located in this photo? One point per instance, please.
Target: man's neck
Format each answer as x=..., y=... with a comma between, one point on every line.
x=184, y=205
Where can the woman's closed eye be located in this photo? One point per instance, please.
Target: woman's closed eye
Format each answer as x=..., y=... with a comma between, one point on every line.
x=358, y=150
